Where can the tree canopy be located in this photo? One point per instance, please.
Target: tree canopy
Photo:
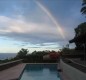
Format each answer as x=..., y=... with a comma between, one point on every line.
x=22, y=53
x=79, y=31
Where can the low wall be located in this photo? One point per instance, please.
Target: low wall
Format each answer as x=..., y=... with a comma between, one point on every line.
x=9, y=64
x=71, y=72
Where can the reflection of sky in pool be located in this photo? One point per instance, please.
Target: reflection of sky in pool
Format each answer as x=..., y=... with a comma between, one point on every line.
x=40, y=72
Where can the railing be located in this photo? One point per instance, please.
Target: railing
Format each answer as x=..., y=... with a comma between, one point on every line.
x=9, y=64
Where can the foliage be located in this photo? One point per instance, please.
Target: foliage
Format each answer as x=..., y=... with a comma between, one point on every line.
x=84, y=2
x=83, y=9
x=22, y=53
x=41, y=53
x=34, y=57
x=65, y=50
x=37, y=57
x=80, y=30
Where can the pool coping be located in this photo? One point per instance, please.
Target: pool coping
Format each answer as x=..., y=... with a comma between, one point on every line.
x=22, y=72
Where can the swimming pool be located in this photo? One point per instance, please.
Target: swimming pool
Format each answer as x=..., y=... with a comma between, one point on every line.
x=40, y=72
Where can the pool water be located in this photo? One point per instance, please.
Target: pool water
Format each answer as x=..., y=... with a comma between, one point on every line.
x=40, y=72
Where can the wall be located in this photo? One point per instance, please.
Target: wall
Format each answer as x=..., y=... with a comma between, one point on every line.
x=9, y=64
x=71, y=72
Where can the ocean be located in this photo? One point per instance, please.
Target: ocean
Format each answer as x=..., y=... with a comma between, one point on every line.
x=7, y=55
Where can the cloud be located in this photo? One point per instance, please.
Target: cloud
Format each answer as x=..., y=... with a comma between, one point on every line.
x=20, y=26
x=32, y=32
x=35, y=25
x=32, y=23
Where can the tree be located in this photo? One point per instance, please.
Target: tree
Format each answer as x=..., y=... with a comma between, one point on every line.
x=83, y=9
x=80, y=30
x=65, y=50
x=22, y=53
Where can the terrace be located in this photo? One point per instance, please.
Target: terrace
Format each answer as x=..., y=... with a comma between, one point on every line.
x=12, y=70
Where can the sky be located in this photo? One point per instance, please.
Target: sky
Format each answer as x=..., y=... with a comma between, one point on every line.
x=38, y=24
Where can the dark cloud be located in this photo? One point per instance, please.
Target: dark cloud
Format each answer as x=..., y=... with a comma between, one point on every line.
x=33, y=37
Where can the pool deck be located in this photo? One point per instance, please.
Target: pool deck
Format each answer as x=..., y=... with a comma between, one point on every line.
x=62, y=74
x=12, y=73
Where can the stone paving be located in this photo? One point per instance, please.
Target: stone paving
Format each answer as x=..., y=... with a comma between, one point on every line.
x=12, y=73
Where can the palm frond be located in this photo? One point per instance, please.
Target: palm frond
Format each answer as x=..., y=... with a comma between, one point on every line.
x=83, y=3
x=83, y=10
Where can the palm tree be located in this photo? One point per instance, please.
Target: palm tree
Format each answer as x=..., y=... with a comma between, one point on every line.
x=83, y=9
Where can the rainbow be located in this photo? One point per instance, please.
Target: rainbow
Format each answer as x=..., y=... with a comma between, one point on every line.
x=51, y=17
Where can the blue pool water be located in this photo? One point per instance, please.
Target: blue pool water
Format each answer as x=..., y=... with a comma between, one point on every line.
x=40, y=72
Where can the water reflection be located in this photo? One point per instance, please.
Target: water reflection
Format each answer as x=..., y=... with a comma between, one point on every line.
x=40, y=72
